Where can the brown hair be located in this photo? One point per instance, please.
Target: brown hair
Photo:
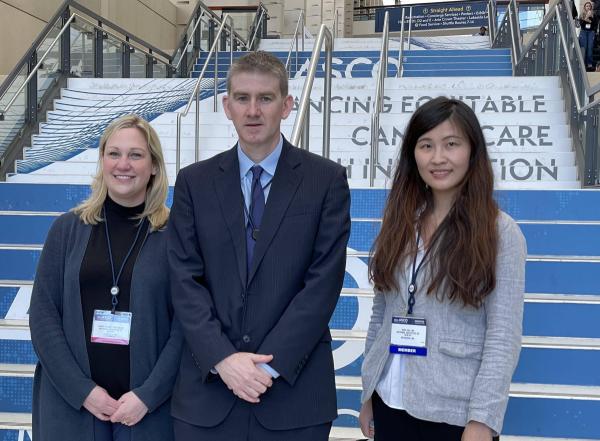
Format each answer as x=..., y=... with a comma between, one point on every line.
x=261, y=62
x=90, y=210
x=466, y=242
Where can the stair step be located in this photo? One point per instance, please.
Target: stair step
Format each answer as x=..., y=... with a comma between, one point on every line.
x=556, y=238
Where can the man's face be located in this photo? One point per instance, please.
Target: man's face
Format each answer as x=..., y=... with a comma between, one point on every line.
x=256, y=107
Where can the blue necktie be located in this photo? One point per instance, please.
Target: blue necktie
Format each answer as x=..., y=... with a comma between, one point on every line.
x=257, y=208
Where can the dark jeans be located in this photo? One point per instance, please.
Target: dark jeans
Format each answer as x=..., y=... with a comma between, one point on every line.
x=107, y=431
x=398, y=425
x=586, y=42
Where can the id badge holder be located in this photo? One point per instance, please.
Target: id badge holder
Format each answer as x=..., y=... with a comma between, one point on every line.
x=111, y=328
x=588, y=26
x=409, y=336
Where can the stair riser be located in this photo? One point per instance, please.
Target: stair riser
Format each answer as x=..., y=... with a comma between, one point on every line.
x=525, y=416
x=542, y=239
x=542, y=277
x=536, y=205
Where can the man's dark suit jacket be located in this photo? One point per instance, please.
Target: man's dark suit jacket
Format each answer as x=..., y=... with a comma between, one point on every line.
x=282, y=306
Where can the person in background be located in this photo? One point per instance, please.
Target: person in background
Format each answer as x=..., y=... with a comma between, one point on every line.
x=588, y=22
x=448, y=270
x=101, y=318
x=482, y=31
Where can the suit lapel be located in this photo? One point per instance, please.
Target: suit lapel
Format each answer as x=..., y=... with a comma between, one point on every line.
x=283, y=188
x=229, y=192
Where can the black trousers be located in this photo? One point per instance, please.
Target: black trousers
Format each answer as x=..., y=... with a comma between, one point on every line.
x=241, y=425
x=398, y=425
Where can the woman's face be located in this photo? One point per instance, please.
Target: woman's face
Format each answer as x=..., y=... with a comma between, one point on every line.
x=588, y=6
x=442, y=157
x=127, y=166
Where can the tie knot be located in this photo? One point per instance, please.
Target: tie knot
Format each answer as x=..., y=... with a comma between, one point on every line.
x=256, y=172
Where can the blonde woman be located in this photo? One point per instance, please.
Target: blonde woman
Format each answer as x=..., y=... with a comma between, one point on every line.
x=588, y=22
x=101, y=318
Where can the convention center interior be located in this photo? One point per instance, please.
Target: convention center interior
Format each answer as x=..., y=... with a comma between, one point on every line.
x=504, y=342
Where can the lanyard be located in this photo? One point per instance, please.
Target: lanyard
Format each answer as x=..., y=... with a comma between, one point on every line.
x=114, y=290
x=255, y=229
x=412, y=287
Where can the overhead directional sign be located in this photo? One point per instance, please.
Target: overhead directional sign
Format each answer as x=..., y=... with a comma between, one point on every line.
x=468, y=14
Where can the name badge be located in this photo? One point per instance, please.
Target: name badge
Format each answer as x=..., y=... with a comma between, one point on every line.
x=588, y=26
x=111, y=328
x=409, y=336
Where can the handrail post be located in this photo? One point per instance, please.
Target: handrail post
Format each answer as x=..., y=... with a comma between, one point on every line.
x=178, y=144
x=98, y=52
x=214, y=51
x=125, y=60
x=489, y=11
x=400, y=71
x=305, y=140
x=304, y=105
x=149, y=66
x=381, y=74
x=65, y=43
x=231, y=48
x=410, y=25
x=211, y=32
x=216, y=78
x=327, y=100
x=31, y=94
x=197, y=36
x=296, y=57
x=197, y=128
x=303, y=27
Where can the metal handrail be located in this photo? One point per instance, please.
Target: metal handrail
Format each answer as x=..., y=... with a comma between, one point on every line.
x=121, y=39
x=196, y=95
x=183, y=51
x=260, y=16
x=211, y=16
x=118, y=29
x=491, y=10
x=379, y=91
x=335, y=25
x=37, y=66
x=400, y=71
x=302, y=121
x=73, y=18
x=295, y=43
x=410, y=11
x=584, y=114
x=551, y=15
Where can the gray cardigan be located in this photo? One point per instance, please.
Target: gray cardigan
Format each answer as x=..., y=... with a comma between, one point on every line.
x=62, y=376
x=472, y=353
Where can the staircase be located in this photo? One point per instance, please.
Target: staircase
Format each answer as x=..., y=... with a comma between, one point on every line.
x=556, y=388
x=364, y=63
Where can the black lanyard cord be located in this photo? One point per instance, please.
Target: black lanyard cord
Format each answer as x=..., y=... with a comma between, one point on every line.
x=412, y=287
x=114, y=290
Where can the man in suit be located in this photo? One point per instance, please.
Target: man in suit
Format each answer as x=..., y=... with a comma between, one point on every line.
x=257, y=245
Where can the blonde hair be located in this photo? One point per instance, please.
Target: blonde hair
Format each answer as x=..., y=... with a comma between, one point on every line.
x=90, y=210
x=583, y=14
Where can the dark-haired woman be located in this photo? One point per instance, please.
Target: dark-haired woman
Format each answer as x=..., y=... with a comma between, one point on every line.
x=448, y=270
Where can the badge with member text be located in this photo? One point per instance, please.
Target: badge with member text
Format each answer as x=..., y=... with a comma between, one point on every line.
x=408, y=336
x=111, y=328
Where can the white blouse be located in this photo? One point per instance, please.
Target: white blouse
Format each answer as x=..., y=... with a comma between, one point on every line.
x=389, y=387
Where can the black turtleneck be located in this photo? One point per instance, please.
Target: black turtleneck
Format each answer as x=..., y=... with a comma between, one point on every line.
x=109, y=363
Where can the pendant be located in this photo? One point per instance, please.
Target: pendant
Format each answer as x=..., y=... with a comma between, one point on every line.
x=412, y=288
x=255, y=234
x=114, y=291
